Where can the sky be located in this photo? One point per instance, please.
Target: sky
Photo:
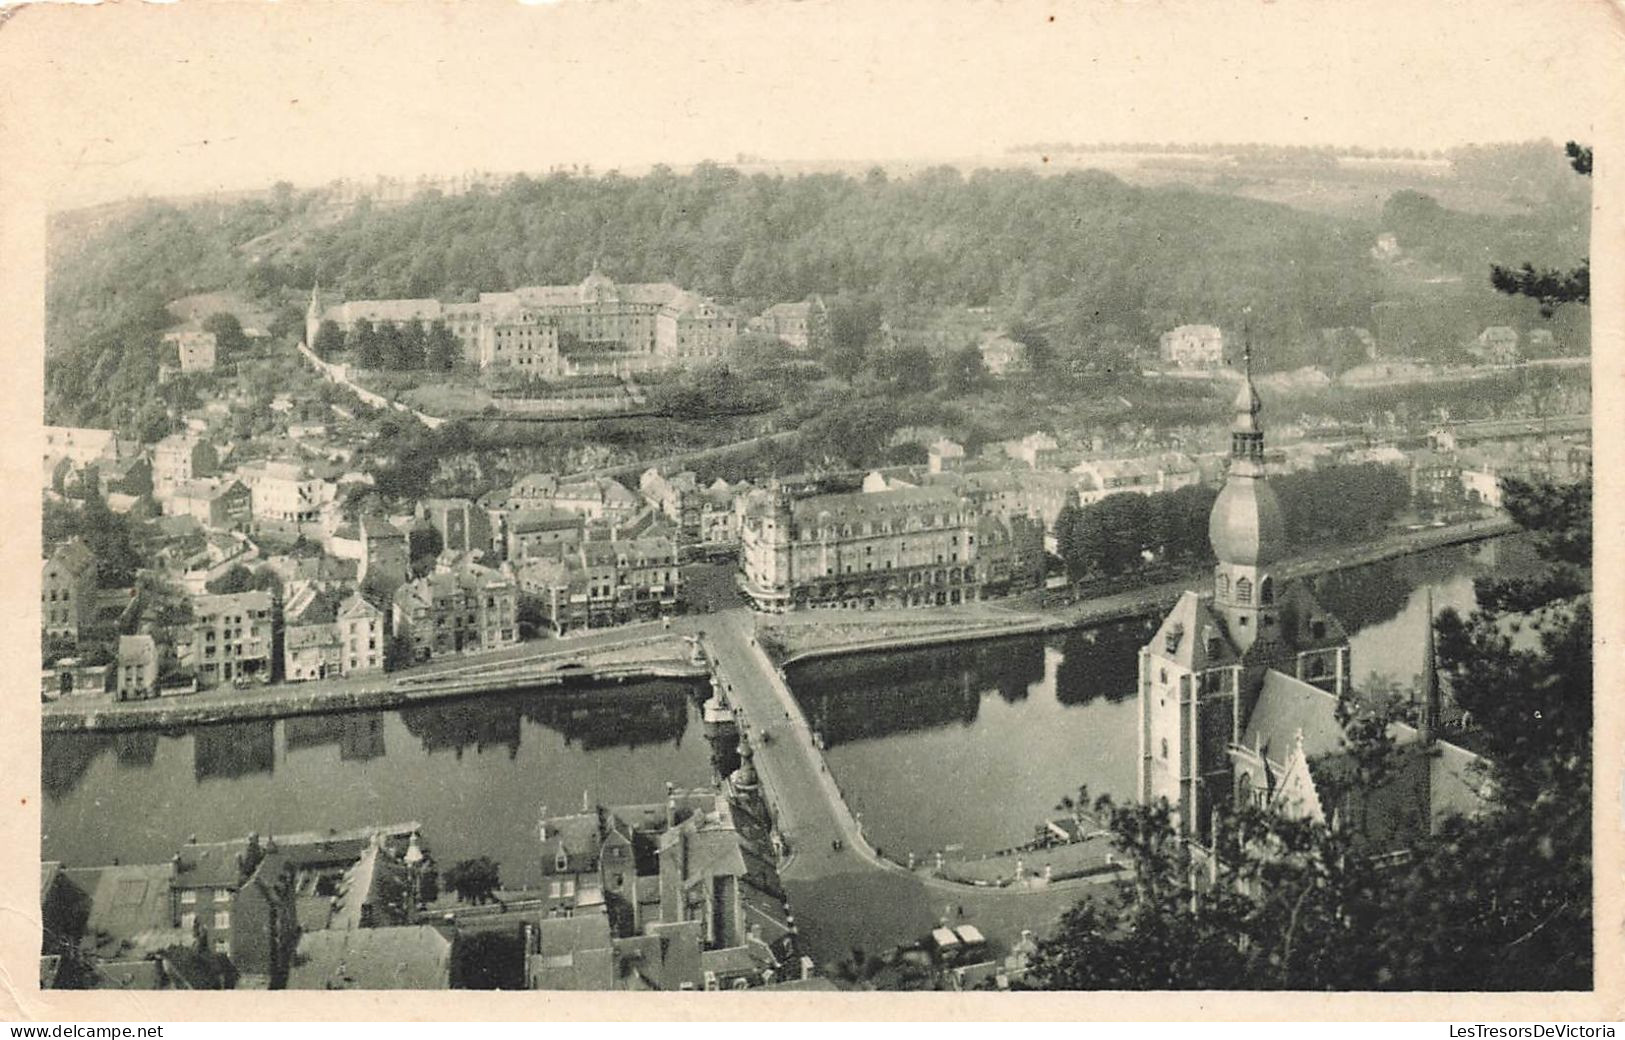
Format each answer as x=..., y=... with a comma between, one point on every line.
x=202, y=95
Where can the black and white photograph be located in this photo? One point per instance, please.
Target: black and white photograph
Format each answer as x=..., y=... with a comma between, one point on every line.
x=724, y=500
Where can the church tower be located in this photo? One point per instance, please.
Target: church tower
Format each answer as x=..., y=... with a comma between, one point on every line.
x=1247, y=532
x=1202, y=673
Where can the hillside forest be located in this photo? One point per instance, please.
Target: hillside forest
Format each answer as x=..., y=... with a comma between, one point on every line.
x=1086, y=267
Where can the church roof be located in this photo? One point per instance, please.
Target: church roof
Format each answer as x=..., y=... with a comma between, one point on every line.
x=1192, y=637
x=1287, y=706
x=1458, y=782
x=1301, y=610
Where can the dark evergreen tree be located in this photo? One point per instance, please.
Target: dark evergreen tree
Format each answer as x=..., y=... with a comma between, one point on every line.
x=474, y=880
x=442, y=349
x=1551, y=287
x=329, y=340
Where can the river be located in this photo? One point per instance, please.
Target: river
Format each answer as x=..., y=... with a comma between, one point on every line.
x=970, y=745
x=968, y=748
x=476, y=773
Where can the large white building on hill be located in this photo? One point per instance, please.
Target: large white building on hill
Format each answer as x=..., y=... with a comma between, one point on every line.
x=595, y=328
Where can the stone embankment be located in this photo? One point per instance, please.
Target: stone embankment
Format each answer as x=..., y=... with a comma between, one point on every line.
x=628, y=659
x=801, y=637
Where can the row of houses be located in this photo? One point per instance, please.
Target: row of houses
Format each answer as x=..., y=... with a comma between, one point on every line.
x=676, y=895
x=1203, y=347
x=954, y=531
x=299, y=911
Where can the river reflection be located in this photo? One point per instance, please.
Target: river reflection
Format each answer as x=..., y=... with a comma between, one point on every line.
x=476, y=773
x=972, y=746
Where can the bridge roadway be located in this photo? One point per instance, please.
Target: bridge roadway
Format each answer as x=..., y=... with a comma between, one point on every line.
x=850, y=896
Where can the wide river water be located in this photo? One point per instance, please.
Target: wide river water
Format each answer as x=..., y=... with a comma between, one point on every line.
x=969, y=746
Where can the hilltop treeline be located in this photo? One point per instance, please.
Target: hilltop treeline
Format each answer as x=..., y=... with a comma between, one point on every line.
x=1096, y=263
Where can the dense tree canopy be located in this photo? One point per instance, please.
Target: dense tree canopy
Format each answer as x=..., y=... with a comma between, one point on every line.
x=474, y=880
x=1121, y=532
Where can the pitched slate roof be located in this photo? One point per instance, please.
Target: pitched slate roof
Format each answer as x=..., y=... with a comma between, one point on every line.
x=1300, y=609
x=405, y=957
x=524, y=521
x=217, y=864
x=1287, y=706
x=577, y=835
x=573, y=953
x=861, y=505
x=1458, y=781
x=1192, y=636
x=125, y=900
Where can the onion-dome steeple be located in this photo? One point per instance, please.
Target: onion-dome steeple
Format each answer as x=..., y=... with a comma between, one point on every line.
x=1246, y=526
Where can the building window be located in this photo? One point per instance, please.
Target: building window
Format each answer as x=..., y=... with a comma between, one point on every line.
x=189, y=896
x=188, y=922
x=1266, y=591
x=1244, y=591
x=1164, y=747
x=222, y=919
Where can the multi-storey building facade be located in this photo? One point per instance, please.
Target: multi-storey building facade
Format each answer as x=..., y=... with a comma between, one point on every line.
x=1100, y=478
x=795, y=323
x=386, y=555
x=231, y=637
x=327, y=634
x=902, y=546
x=532, y=533
x=137, y=677
x=181, y=457
x=519, y=337
x=604, y=581
x=1193, y=346
x=195, y=349
x=223, y=505
x=68, y=591
x=462, y=606
x=597, y=327
x=286, y=492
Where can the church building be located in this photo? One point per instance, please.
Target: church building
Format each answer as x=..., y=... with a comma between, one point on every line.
x=1240, y=687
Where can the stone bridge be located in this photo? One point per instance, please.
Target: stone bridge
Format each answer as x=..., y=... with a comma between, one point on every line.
x=852, y=896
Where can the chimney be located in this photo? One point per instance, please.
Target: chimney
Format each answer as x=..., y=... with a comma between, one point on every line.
x=671, y=812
